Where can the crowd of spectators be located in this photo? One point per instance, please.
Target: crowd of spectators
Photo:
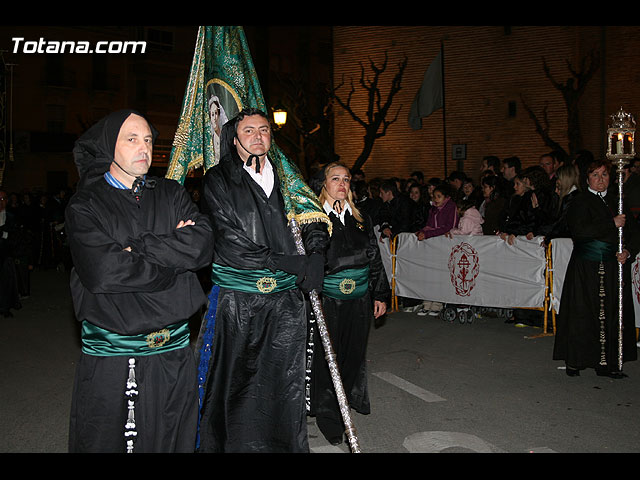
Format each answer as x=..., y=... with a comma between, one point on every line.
x=505, y=200
x=32, y=237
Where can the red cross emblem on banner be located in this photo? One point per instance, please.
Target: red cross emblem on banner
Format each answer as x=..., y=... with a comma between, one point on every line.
x=463, y=268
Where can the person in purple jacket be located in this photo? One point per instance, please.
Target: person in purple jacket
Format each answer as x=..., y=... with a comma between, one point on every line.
x=443, y=215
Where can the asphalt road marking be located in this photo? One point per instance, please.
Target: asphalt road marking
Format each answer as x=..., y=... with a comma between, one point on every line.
x=409, y=387
x=435, y=442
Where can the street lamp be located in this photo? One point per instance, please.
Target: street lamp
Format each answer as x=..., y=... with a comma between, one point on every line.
x=620, y=150
x=279, y=116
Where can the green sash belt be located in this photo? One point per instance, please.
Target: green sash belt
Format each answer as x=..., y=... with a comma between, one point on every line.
x=252, y=281
x=100, y=342
x=596, y=250
x=346, y=284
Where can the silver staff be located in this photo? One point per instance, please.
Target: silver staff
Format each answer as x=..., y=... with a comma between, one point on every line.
x=328, y=349
x=620, y=150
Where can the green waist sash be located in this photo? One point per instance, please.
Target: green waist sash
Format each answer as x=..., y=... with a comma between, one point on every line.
x=346, y=284
x=252, y=281
x=100, y=342
x=596, y=250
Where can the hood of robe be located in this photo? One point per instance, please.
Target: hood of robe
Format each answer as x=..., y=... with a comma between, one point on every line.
x=93, y=152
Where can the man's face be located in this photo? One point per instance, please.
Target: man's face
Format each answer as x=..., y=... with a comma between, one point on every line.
x=134, y=147
x=386, y=195
x=254, y=133
x=508, y=172
x=548, y=164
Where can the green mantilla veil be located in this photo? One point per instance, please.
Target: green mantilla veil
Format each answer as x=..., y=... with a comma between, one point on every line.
x=222, y=82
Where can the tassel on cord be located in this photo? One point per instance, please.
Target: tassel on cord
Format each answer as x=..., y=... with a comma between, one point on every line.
x=131, y=392
x=603, y=336
x=310, y=347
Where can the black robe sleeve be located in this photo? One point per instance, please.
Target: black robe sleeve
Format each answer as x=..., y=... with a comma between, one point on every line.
x=183, y=249
x=101, y=261
x=378, y=280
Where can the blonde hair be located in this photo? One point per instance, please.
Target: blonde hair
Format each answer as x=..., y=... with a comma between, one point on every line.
x=567, y=177
x=325, y=196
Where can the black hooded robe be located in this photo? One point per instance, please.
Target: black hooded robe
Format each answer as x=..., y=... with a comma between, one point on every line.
x=254, y=394
x=151, y=288
x=578, y=337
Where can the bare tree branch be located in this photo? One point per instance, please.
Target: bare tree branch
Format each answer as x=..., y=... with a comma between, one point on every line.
x=375, y=122
x=571, y=92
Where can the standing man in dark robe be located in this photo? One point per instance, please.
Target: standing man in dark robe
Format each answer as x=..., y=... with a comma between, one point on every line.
x=136, y=243
x=254, y=394
x=9, y=291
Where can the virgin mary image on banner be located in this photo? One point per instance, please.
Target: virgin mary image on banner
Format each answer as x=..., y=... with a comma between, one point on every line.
x=223, y=104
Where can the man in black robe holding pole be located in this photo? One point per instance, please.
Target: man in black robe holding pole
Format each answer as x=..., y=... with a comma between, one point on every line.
x=254, y=395
x=136, y=242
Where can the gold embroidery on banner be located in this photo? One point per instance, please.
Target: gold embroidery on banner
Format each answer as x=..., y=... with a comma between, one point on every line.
x=158, y=339
x=347, y=286
x=266, y=284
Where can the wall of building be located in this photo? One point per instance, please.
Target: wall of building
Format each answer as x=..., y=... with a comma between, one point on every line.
x=487, y=70
x=55, y=97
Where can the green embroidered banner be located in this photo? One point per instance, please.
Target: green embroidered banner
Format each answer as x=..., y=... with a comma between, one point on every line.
x=222, y=82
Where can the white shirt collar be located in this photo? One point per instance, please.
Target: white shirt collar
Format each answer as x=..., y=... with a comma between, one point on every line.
x=328, y=208
x=600, y=194
x=265, y=178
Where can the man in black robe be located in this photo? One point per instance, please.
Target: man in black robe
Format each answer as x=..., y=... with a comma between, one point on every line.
x=136, y=242
x=254, y=393
x=9, y=292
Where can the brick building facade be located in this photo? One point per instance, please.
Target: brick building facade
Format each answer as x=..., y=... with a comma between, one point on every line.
x=488, y=71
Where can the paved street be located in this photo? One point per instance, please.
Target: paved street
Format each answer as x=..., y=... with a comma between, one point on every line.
x=435, y=387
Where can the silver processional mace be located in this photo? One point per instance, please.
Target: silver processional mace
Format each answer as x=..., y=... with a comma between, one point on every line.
x=620, y=150
x=330, y=355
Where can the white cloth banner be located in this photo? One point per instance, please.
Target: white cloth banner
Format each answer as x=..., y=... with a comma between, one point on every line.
x=470, y=269
x=561, y=249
